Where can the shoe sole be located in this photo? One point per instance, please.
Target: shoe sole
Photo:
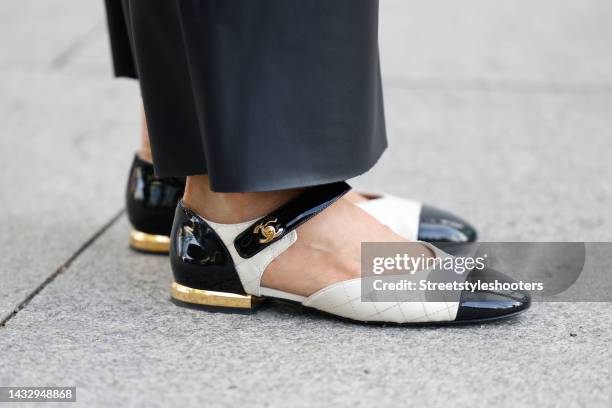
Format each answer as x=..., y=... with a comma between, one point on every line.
x=157, y=244
x=233, y=303
x=202, y=297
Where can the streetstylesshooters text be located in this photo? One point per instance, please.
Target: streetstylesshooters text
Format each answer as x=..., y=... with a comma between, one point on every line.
x=403, y=263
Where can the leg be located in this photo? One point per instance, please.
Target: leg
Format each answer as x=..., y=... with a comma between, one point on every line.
x=270, y=103
x=410, y=218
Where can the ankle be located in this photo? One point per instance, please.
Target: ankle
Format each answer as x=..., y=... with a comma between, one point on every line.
x=231, y=208
x=144, y=154
x=145, y=145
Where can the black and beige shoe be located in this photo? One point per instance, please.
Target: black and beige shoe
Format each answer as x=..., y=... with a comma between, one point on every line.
x=416, y=221
x=150, y=205
x=221, y=265
x=151, y=202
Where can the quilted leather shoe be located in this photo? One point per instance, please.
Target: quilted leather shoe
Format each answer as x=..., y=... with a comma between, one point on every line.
x=151, y=201
x=221, y=265
x=150, y=205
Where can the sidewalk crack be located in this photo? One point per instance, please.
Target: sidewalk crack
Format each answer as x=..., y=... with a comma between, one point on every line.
x=62, y=268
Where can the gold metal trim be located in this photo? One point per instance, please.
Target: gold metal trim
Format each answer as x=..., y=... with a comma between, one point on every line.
x=149, y=242
x=267, y=231
x=211, y=298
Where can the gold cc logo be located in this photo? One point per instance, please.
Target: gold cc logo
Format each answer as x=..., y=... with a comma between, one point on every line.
x=267, y=231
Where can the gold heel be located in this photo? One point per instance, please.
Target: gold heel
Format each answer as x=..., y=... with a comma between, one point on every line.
x=211, y=298
x=149, y=243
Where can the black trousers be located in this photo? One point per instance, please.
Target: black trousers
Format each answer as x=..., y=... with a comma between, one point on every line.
x=258, y=94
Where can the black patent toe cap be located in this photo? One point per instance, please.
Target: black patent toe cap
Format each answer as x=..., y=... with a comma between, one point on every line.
x=491, y=303
x=437, y=225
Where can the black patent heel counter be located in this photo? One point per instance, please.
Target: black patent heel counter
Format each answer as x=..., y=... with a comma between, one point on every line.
x=132, y=193
x=199, y=258
x=150, y=200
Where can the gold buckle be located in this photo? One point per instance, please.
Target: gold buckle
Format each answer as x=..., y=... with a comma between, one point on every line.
x=267, y=231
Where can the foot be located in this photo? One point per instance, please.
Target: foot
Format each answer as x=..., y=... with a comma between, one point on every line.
x=329, y=246
x=309, y=244
x=355, y=197
x=328, y=250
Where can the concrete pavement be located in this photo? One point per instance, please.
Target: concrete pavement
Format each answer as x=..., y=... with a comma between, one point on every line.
x=499, y=111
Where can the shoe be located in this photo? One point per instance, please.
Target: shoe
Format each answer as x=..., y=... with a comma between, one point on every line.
x=220, y=265
x=151, y=202
x=150, y=205
x=416, y=221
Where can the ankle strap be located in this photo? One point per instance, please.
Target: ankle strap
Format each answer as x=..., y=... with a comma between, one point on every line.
x=269, y=229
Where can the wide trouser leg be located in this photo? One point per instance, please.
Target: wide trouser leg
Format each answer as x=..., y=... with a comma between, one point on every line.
x=260, y=94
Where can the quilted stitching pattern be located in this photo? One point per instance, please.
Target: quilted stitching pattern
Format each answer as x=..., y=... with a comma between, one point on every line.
x=345, y=299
